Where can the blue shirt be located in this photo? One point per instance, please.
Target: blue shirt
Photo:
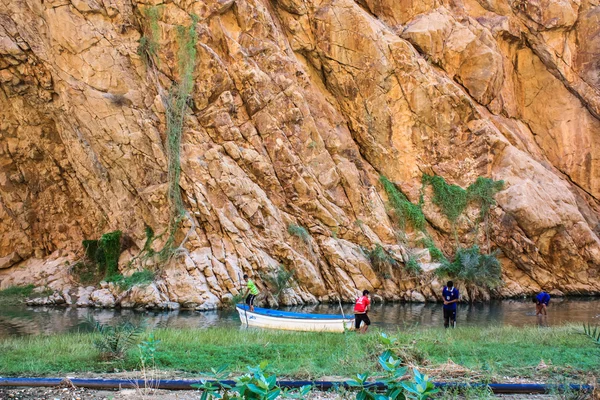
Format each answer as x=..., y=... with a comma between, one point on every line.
x=543, y=298
x=449, y=295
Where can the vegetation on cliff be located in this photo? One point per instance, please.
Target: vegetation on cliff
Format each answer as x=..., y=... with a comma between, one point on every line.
x=101, y=258
x=300, y=232
x=148, y=46
x=473, y=267
x=469, y=265
x=138, y=278
x=176, y=105
x=404, y=211
x=381, y=261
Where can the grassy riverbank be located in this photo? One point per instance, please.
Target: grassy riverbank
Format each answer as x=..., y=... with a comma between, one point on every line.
x=465, y=353
x=15, y=295
x=18, y=294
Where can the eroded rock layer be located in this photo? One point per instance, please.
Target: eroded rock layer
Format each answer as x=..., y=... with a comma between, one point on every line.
x=298, y=107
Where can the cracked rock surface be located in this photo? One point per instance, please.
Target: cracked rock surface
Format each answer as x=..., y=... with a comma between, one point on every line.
x=298, y=107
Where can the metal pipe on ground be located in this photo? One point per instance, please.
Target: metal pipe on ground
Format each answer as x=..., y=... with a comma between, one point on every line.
x=174, y=384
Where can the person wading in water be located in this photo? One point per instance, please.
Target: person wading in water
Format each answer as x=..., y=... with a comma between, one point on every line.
x=451, y=297
x=541, y=304
x=360, y=313
x=251, y=291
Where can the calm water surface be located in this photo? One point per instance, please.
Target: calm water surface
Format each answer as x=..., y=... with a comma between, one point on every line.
x=21, y=320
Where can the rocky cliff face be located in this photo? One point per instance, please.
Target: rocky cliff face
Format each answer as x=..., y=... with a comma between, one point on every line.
x=297, y=108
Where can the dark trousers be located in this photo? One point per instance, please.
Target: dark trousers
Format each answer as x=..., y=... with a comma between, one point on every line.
x=449, y=318
x=358, y=318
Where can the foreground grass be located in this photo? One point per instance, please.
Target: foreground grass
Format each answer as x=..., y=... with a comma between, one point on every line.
x=528, y=352
x=486, y=353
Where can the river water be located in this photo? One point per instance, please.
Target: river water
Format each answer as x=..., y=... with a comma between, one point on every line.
x=22, y=320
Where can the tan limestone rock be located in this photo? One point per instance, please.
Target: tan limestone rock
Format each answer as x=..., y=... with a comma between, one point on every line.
x=102, y=298
x=296, y=110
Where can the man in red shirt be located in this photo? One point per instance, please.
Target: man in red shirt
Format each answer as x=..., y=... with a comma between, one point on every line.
x=360, y=312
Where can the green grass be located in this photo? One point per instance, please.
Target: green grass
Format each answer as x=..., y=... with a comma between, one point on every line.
x=47, y=355
x=15, y=294
x=510, y=351
x=143, y=277
x=494, y=352
x=306, y=355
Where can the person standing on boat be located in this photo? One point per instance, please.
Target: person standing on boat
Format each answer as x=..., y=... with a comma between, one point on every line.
x=251, y=292
x=451, y=297
x=361, y=308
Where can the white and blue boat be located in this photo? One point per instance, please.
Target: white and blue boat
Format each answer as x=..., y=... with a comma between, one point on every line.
x=275, y=319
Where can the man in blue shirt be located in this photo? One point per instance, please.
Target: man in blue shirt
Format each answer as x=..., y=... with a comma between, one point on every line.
x=541, y=303
x=451, y=297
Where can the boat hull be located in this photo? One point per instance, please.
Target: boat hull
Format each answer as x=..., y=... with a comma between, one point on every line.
x=289, y=323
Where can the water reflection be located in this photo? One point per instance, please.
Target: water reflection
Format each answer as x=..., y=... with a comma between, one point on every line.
x=20, y=320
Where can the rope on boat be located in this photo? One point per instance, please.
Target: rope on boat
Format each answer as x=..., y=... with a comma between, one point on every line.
x=170, y=384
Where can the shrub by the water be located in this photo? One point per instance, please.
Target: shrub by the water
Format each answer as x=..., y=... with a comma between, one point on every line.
x=473, y=267
x=281, y=280
x=234, y=300
x=86, y=272
x=593, y=332
x=114, y=341
x=17, y=291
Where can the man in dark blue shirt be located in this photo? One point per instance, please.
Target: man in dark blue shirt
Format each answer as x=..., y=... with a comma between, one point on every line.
x=451, y=297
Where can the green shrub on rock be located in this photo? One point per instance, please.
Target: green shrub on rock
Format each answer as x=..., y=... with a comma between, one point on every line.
x=473, y=267
x=299, y=231
x=406, y=212
x=143, y=277
x=101, y=258
x=380, y=260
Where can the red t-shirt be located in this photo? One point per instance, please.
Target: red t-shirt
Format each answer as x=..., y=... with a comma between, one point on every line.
x=361, y=304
